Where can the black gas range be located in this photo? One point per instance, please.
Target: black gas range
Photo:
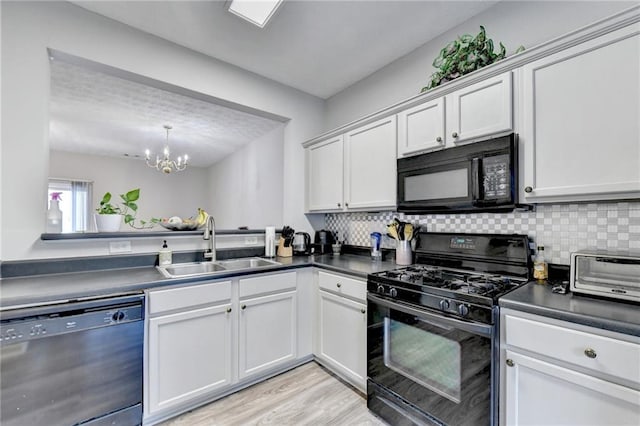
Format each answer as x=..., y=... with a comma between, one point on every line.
x=433, y=328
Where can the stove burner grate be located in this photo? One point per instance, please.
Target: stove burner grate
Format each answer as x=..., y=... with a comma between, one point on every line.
x=456, y=281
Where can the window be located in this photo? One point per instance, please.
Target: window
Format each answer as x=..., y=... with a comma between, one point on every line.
x=75, y=203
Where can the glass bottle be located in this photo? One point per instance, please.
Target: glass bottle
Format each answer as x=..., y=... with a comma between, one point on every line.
x=540, y=271
x=54, y=214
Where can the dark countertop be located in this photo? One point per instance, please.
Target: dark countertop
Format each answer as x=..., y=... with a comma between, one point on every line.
x=537, y=298
x=52, y=288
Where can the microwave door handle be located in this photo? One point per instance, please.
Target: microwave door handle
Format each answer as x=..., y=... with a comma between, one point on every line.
x=476, y=168
x=618, y=260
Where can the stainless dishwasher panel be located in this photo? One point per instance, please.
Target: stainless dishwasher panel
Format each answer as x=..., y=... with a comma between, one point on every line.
x=72, y=364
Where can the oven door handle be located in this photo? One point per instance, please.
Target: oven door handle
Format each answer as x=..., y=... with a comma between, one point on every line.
x=475, y=328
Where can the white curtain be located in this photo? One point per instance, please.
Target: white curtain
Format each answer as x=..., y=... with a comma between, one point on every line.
x=76, y=203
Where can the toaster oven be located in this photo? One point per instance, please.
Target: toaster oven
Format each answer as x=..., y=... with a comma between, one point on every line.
x=609, y=274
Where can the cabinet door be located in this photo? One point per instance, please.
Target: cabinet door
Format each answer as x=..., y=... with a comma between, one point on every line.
x=189, y=355
x=325, y=175
x=421, y=128
x=267, y=332
x=370, y=165
x=541, y=393
x=342, y=337
x=480, y=110
x=581, y=127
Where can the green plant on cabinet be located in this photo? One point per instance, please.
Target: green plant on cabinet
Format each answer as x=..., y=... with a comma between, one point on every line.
x=464, y=55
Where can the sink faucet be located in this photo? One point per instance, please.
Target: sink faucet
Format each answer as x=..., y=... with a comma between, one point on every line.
x=210, y=234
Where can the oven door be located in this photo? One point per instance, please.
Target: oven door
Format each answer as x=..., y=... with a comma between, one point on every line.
x=440, y=365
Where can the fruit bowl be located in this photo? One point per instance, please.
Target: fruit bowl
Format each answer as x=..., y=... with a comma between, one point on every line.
x=175, y=223
x=179, y=226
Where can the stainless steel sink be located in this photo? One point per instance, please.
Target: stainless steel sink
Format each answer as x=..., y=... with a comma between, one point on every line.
x=187, y=269
x=247, y=263
x=181, y=270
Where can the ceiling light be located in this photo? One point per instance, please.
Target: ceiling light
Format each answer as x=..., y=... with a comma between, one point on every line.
x=166, y=164
x=258, y=12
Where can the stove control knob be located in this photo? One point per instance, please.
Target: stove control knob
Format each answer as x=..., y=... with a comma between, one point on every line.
x=393, y=292
x=444, y=304
x=463, y=310
x=380, y=289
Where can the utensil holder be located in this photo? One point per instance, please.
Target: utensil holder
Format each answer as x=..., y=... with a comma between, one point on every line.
x=404, y=255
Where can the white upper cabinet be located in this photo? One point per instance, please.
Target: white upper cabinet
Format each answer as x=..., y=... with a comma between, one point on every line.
x=581, y=121
x=480, y=110
x=354, y=171
x=324, y=175
x=421, y=128
x=471, y=113
x=370, y=165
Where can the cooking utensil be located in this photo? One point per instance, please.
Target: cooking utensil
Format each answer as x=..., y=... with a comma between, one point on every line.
x=408, y=231
x=392, y=231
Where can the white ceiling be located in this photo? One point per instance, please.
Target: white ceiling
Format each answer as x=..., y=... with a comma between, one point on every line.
x=99, y=114
x=319, y=47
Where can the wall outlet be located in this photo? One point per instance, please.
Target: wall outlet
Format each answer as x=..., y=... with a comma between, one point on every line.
x=251, y=240
x=119, y=247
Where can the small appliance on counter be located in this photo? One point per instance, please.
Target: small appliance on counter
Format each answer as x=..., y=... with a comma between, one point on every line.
x=322, y=242
x=301, y=244
x=613, y=274
x=285, y=244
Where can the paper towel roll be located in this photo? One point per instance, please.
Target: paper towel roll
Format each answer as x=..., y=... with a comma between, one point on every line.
x=270, y=241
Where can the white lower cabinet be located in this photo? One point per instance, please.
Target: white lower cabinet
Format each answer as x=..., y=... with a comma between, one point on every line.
x=205, y=340
x=267, y=332
x=541, y=393
x=341, y=331
x=189, y=344
x=558, y=373
x=189, y=355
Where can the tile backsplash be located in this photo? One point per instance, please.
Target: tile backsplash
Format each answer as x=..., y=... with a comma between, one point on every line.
x=561, y=228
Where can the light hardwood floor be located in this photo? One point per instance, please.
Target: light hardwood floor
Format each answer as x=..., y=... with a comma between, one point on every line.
x=307, y=395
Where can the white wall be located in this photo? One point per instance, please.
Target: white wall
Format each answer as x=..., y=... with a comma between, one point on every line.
x=514, y=23
x=246, y=187
x=161, y=195
x=28, y=28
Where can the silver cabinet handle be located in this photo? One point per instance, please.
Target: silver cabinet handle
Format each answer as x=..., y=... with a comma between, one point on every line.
x=243, y=307
x=339, y=285
x=454, y=134
x=590, y=353
x=439, y=139
x=510, y=362
x=363, y=311
x=228, y=310
x=528, y=189
x=339, y=204
x=346, y=204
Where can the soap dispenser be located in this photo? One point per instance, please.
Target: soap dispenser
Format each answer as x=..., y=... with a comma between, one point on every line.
x=164, y=255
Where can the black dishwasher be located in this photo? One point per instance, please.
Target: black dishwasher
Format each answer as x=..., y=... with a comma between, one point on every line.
x=73, y=363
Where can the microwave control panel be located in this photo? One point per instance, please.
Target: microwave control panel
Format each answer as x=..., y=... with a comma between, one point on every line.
x=496, y=176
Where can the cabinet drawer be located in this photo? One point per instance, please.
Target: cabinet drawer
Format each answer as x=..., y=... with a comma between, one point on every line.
x=605, y=355
x=189, y=296
x=342, y=285
x=267, y=284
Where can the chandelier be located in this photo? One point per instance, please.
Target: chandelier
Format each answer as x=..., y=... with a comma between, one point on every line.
x=166, y=164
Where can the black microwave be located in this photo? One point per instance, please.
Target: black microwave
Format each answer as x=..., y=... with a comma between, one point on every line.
x=481, y=176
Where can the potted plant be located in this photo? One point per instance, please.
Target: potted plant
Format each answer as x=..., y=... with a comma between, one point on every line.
x=110, y=216
x=464, y=55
